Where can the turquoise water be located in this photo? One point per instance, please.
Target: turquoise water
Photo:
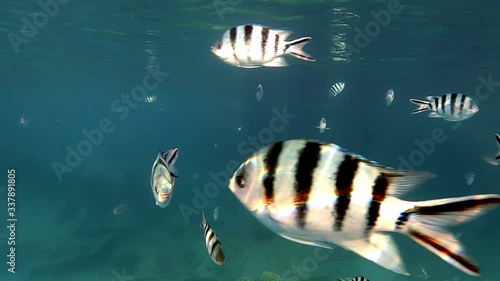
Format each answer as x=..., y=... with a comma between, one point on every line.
x=67, y=78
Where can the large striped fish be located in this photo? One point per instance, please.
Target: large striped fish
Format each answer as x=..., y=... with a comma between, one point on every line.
x=163, y=176
x=451, y=107
x=253, y=45
x=214, y=246
x=319, y=194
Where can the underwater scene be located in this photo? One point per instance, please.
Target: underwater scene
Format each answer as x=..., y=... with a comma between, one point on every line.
x=250, y=140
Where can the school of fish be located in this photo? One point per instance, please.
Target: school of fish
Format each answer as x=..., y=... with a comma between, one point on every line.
x=322, y=195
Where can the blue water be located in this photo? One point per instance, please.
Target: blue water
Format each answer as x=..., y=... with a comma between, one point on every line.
x=68, y=76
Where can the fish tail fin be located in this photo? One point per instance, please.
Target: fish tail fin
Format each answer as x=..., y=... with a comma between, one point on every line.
x=424, y=223
x=422, y=106
x=295, y=48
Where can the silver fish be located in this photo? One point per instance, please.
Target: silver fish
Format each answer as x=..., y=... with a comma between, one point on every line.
x=469, y=177
x=319, y=194
x=214, y=246
x=451, y=107
x=163, y=176
x=336, y=89
x=495, y=161
x=253, y=45
x=389, y=97
x=216, y=213
x=322, y=126
x=359, y=278
x=260, y=92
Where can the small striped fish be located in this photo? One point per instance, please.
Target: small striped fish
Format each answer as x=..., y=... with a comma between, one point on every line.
x=322, y=126
x=336, y=89
x=212, y=242
x=469, y=177
x=359, y=278
x=319, y=194
x=163, y=176
x=495, y=161
x=451, y=107
x=253, y=45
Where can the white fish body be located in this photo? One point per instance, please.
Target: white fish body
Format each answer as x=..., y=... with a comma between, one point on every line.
x=389, y=97
x=336, y=89
x=259, y=93
x=322, y=126
x=212, y=242
x=469, y=177
x=163, y=177
x=451, y=107
x=320, y=195
x=254, y=45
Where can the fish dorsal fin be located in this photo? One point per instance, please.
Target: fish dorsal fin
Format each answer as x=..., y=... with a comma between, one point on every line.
x=379, y=248
x=284, y=34
x=497, y=136
x=401, y=181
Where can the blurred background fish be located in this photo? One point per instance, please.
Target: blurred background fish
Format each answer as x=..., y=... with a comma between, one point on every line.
x=24, y=121
x=389, y=97
x=216, y=213
x=469, y=177
x=336, y=89
x=260, y=92
x=120, y=208
x=322, y=126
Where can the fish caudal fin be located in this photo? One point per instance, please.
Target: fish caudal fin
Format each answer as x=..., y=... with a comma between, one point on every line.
x=294, y=48
x=422, y=106
x=379, y=248
x=424, y=221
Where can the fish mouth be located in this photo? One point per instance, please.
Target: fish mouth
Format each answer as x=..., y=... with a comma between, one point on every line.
x=163, y=197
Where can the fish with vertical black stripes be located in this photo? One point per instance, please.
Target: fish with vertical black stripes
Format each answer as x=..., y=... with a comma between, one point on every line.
x=450, y=107
x=253, y=45
x=321, y=195
x=163, y=177
x=359, y=278
x=496, y=160
x=214, y=246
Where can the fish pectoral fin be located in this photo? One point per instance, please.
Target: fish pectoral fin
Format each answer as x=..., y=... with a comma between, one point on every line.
x=433, y=115
x=379, y=248
x=277, y=62
x=306, y=242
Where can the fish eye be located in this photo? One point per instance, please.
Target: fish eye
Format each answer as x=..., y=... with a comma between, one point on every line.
x=240, y=178
x=218, y=46
x=156, y=190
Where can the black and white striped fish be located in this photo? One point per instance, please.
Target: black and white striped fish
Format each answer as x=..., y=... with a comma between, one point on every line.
x=359, y=278
x=214, y=246
x=496, y=160
x=319, y=194
x=163, y=176
x=451, y=107
x=253, y=45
